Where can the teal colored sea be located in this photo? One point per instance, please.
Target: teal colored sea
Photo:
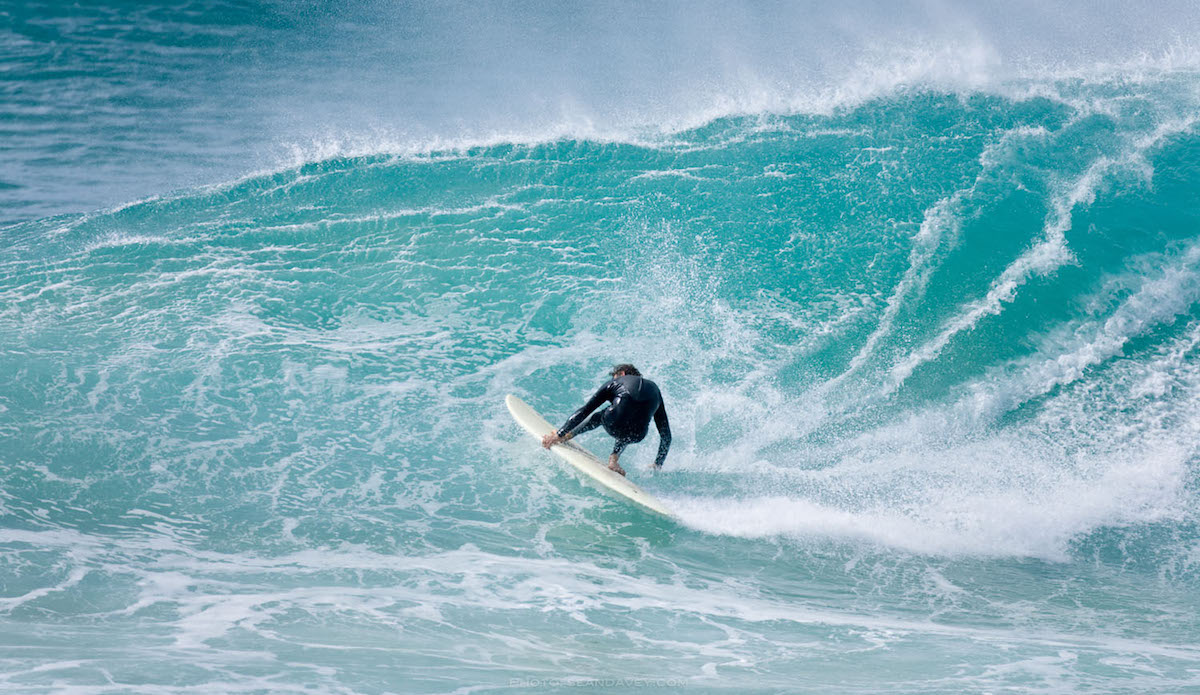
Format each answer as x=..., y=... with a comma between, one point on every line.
x=920, y=286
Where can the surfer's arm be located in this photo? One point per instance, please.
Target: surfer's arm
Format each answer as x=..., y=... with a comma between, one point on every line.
x=602, y=395
x=664, y=435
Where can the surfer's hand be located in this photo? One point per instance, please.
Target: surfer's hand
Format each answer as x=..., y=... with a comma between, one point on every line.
x=550, y=440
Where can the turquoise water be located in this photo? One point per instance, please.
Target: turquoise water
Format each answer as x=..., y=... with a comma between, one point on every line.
x=927, y=325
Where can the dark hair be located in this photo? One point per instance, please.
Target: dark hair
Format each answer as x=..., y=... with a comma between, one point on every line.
x=627, y=368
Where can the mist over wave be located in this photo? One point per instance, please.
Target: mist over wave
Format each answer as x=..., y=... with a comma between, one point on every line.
x=144, y=98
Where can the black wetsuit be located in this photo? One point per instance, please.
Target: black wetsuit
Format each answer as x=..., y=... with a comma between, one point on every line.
x=634, y=402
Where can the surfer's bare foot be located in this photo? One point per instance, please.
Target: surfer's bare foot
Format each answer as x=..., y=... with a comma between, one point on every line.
x=616, y=468
x=551, y=439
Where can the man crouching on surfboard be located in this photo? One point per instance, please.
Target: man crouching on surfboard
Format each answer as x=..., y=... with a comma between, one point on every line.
x=635, y=400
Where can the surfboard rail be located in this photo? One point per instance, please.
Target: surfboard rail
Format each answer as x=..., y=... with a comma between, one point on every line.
x=583, y=460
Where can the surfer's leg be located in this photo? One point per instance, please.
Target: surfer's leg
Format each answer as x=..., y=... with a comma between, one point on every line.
x=588, y=425
x=618, y=447
x=614, y=466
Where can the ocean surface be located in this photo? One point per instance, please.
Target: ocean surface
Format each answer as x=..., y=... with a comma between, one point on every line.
x=920, y=285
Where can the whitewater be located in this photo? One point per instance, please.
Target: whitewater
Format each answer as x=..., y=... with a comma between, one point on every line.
x=920, y=285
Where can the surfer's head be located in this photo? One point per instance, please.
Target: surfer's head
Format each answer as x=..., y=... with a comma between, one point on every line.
x=624, y=370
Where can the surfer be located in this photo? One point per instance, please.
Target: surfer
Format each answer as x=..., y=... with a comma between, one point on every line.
x=635, y=400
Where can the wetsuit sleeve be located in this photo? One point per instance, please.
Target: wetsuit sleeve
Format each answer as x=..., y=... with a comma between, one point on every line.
x=603, y=394
x=664, y=434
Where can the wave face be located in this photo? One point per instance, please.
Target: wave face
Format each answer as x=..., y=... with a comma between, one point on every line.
x=931, y=353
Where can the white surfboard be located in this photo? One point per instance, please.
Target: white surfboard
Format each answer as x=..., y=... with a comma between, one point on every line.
x=581, y=459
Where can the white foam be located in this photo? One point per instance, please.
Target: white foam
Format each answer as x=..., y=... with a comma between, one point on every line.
x=1043, y=257
x=1165, y=294
x=940, y=227
x=119, y=239
x=487, y=581
x=958, y=507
